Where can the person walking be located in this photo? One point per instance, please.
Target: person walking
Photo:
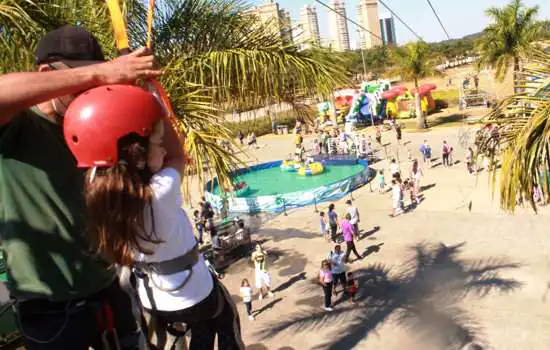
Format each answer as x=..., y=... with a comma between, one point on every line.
x=347, y=230
x=354, y=221
x=470, y=160
x=263, y=278
x=325, y=278
x=426, y=151
x=445, y=154
x=325, y=230
x=338, y=269
x=57, y=287
x=240, y=135
x=416, y=176
x=199, y=224
x=333, y=222
x=398, y=132
x=246, y=294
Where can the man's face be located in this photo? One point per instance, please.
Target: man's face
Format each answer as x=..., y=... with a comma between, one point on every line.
x=337, y=249
x=59, y=104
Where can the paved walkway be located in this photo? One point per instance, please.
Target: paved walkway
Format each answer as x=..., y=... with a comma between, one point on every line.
x=436, y=278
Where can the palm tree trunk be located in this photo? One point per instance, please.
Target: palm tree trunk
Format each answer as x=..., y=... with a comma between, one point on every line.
x=516, y=75
x=420, y=118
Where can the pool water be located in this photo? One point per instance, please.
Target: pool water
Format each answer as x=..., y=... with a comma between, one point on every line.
x=273, y=181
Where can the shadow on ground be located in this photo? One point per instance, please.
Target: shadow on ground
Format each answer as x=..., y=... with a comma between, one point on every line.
x=457, y=117
x=424, y=295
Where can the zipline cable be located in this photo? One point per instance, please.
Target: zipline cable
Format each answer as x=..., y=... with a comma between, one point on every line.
x=400, y=20
x=439, y=20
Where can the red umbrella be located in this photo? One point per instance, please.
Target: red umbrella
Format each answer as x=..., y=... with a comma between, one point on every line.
x=425, y=88
x=390, y=94
x=399, y=89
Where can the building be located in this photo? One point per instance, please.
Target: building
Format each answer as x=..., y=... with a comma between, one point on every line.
x=387, y=30
x=309, y=26
x=367, y=16
x=286, y=26
x=278, y=18
x=339, y=26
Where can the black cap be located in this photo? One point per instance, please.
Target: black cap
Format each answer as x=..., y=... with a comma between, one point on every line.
x=348, y=201
x=73, y=46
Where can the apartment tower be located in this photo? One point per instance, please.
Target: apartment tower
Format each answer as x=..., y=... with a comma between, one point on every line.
x=367, y=15
x=309, y=26
x=339, y=26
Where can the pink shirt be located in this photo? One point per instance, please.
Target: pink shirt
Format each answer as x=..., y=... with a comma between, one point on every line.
x=347, y=230
x=325, y=276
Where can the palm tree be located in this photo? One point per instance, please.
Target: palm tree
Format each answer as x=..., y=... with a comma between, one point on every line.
x=507, y=41
x=414, y=62
x=424, y=295
x=217, y=56
x=522, y=136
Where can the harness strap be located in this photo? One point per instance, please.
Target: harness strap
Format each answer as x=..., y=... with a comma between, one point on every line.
x=172, y=266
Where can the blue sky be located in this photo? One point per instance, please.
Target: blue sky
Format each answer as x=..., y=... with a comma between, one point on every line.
x=460, y=17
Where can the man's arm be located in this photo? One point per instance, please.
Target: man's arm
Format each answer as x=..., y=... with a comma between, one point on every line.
x=19, y=91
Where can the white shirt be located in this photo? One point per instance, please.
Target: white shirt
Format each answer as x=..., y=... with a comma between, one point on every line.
x=173, y=227
x=394, y=168
x=337, y=261
x=246, y=294
x=354, y=213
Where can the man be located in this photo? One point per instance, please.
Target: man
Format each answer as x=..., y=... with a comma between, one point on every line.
x=64, y=296
x=354, y=214
x=263, y=279
x=338, y=269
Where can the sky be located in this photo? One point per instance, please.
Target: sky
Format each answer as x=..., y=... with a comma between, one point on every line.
x=460, y=17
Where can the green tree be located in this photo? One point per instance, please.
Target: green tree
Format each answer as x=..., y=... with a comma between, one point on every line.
x=413, y=62
x=522, y=137
x=507, y=41
x=217, y=56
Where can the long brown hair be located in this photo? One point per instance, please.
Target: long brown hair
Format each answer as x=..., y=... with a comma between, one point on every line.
x=116, y=199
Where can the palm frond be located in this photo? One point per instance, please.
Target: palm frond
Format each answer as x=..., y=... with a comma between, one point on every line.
x=523, y=137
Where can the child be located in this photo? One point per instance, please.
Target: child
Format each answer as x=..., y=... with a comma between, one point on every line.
x=351, y=287
x=246, y=294
x=133, y=206
x=324, y=226
x=199, y=224
x=397, y=198
x=381, y=181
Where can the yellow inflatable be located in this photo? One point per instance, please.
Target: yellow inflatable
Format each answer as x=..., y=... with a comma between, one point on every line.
x=314, y=168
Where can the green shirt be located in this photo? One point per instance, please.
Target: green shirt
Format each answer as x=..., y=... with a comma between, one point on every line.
x=42, y=214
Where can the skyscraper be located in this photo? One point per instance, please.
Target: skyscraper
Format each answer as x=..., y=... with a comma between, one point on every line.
x=339, y=26
x=270, y=12
x=367, y=15
x=387, y=29
x=309, y=26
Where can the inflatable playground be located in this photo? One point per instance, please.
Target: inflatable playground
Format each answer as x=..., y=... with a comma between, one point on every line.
x=372, y=103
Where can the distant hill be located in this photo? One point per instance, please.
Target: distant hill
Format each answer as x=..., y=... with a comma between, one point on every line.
x=469, y=37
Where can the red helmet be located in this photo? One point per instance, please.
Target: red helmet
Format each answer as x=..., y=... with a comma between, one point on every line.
x=98, y=118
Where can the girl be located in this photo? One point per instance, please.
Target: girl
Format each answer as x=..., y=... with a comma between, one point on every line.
x=352, y=286
x=416, y=176
x=397, y=198
x=333, y=222
x=263, y=278
x=133, y=202
x=324, y=226
x=246, y=294
x=381, y=181
x=325, y=277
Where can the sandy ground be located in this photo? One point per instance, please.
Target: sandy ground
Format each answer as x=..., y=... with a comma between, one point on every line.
x=435, y=278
